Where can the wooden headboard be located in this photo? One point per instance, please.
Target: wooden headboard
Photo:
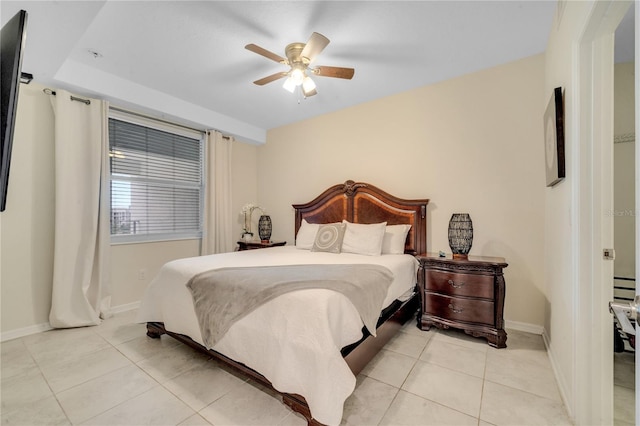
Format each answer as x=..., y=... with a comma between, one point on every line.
x=359, y=202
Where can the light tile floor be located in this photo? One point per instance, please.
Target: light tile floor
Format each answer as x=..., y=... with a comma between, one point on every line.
x=624, y=388
x=114, y=375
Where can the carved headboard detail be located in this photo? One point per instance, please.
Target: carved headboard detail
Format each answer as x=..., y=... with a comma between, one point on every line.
x=360, y=202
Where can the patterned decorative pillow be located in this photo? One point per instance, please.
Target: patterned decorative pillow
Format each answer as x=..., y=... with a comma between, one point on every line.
x=329, y=238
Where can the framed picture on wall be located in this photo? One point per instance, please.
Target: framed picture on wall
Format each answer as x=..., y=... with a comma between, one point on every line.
x=554, y=138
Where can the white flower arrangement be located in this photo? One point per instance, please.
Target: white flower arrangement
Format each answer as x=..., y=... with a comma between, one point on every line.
x=247, y=211
x=249, y=208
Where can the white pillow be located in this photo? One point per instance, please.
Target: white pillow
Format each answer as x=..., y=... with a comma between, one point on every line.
x=306, y=235
x=395, y=237
x=363, y=238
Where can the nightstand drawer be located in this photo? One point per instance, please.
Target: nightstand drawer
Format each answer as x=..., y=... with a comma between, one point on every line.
x=457, y=284
x=459, y=309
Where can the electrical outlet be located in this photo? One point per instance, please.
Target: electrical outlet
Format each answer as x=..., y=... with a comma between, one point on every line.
x=142, y=274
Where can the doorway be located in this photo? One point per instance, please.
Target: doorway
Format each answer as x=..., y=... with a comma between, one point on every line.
x=593, y=78
x=624, y=212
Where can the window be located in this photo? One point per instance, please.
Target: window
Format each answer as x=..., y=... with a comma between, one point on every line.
x=156, y=180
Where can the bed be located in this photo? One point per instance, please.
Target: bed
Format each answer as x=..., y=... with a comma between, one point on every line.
x=289, y=343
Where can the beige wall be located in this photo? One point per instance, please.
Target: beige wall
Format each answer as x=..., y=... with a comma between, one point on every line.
x=26, y=265
x=624, y=86
x=26, y=240
x=133, y=266
x=471, y=144
x=624, y=171
x=560, y=257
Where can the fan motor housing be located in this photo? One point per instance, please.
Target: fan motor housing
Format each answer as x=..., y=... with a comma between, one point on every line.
x=293, y=52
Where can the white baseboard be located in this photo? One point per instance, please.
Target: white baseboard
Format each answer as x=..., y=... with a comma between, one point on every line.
x=560, y=379
x=524, y=326
x=124, y=308
x=40, y=328
x=26, y=331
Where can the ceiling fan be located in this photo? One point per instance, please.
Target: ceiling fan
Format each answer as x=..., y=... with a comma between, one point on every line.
x=299, y=57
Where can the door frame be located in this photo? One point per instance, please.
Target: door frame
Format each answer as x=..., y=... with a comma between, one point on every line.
x=637, y=111
x=593, y=196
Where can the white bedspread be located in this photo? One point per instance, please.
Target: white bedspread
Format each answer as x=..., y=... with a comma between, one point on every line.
x=296, y=355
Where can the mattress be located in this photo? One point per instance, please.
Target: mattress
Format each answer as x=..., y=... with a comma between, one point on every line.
x=293, y=340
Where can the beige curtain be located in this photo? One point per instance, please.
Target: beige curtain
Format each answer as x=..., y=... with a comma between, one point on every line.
x=81, y=294
x=217, y=223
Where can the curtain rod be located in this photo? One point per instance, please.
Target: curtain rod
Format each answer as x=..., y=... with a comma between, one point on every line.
x=73, y=98
x=87, y=101
x=164, y=121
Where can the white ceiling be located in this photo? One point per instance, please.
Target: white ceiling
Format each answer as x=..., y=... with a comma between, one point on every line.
x=186, y=60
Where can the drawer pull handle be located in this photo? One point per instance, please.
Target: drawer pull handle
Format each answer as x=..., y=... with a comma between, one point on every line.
x=453, y=308
x=454, y=285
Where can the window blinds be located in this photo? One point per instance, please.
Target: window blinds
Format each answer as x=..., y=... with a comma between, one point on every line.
x=156, y=183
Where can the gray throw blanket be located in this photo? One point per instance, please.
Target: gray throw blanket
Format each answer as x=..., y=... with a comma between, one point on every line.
x=223, y=296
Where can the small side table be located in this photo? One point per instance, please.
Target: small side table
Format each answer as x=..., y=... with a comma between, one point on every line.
x=463, y=293
x=253, y=245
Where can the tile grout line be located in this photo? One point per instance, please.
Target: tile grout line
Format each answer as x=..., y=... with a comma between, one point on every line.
x=427, y=399
x=484, y=381
x=135, y=364
x=415, y=363
x=54, y=393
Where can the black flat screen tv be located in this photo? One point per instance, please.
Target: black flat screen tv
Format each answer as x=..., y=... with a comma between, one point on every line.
x=12, y=39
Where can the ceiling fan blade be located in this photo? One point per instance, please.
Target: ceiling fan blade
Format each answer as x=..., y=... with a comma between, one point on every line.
x=264, y=52
x=270, y=78
x=337, y=72
x=316, y=44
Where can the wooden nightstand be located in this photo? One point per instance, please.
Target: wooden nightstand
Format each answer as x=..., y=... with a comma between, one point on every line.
x=463, y=293
x=252, y=245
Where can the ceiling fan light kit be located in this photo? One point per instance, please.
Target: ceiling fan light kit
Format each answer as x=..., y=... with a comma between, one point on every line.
x=289, y=85
x=299, y=56
x=308, y=85
x=297, y=75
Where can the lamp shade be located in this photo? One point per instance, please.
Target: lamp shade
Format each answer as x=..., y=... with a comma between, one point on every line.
x=460, y=234
x=308, y=84
x=297, y=76
x=308, y=87
x=264, y=227
x=289, y=85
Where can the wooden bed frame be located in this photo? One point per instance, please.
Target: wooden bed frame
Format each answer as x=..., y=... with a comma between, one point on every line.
x=357, y=202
